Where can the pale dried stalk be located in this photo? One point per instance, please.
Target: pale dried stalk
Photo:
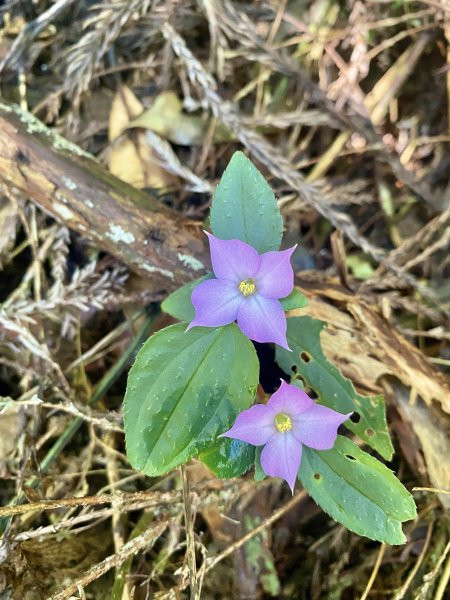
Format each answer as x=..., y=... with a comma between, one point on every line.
x=84, y=58
x=58, y=260
x=282, y=120
x=30, y=32
x=211, y=562
x=410, y=245
x=190, y=536
x=118, y=519
x=107, y=422
x=145, y=540
x=18, y=334
x=276, y=162
x=88, y=289
x=169, y=502
x=240, y=28
x=402, y=591
x=204, y=490
x=171, y=162
x=270, y=156
x=374, y=573
x=441, y=243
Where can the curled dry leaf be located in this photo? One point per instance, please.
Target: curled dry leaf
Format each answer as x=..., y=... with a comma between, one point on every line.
x=166, y=118
x=131, y=158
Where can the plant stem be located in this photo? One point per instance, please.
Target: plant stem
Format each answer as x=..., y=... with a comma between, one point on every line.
x=190, y=540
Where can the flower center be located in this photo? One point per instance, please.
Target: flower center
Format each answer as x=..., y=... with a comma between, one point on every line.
x=247, y=287
x=283, y=422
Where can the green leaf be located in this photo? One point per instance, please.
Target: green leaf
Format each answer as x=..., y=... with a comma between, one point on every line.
x=179, y=305
x=229, y=457
x=184, y=389
x=360, y=266
x=259, y=473
x=245, y=208
x=333, y=389
x=357, y=490
x=295, y=300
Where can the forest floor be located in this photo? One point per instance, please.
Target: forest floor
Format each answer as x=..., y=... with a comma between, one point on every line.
x=344, y=107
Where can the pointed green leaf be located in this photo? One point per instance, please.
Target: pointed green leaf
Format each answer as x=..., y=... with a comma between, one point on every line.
x=184, y=389
x=295, y=300
x=333, y=389
x=245, y=208
x=229, y=457
x=259, y=473
x=179, y=304
x=357, y=490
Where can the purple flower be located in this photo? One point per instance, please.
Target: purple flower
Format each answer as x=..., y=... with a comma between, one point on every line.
x=289, y=420
x=247, y=288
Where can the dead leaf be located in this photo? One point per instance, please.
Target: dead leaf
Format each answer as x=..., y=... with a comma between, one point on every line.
x=403, y=360
x=365, y=346
x=131, y=158
x=341, y=342
x=433, y=438
x=166, y=118
x=8, y=225
x=12, y=423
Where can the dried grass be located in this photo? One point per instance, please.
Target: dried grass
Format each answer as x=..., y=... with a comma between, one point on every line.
x=344, y=107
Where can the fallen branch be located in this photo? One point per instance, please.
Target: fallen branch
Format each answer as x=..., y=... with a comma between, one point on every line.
x=74, y=188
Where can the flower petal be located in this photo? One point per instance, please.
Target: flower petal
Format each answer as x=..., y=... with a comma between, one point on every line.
x=275, y=277
x=281, y=457
x=317, y=426
x=263, y=320
x=216, y=303
x=290, y=399
x=232, y=259
x=255, y=426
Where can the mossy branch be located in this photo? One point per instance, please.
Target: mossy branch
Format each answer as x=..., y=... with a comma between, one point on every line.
x=70, y=185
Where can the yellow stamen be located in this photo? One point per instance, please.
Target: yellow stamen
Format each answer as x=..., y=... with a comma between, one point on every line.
x=283, y=422
x=247, y=287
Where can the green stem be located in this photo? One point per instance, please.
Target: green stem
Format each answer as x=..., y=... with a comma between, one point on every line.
x=443, y=582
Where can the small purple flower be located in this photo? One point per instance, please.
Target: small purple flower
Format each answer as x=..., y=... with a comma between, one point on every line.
x=289, y=420
x=247, y=288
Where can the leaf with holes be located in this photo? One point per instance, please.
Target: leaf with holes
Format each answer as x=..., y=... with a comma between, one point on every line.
x=229, y=458
x=357, y=490
x=179, y=304
x=245, y=208
x=333, y=389
x=184, y=389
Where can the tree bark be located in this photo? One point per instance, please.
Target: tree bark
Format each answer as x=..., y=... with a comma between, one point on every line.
x=71, y=186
